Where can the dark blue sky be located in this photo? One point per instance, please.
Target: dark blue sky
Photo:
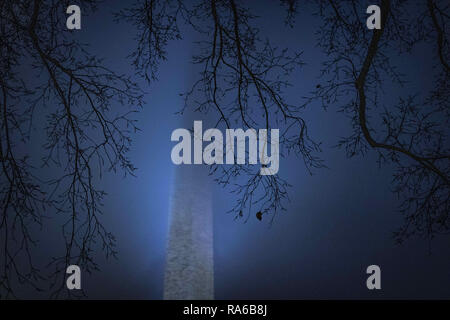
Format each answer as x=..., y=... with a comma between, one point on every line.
x=339, y=220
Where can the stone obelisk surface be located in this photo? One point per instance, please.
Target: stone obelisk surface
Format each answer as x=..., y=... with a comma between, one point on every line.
x=189, y=265
x=189, y=270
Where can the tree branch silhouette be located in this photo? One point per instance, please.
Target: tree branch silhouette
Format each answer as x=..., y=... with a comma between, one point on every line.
x=415, y=137
x=242, y=80
x=84, y=139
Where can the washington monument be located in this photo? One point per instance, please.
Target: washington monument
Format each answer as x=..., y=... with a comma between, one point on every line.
x=189, y=263
x=189, y=270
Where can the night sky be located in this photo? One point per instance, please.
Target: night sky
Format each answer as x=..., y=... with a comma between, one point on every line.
x=339, y=220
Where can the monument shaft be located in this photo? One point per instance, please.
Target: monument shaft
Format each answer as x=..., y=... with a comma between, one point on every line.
x=189, y=266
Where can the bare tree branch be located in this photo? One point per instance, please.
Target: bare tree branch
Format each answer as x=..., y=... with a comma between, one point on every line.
x=84, y=137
